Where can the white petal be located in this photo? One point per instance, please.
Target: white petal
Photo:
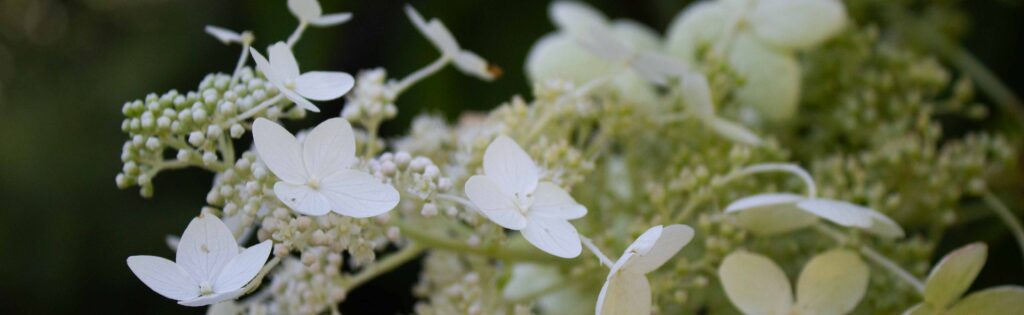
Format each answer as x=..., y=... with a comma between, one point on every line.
x=772, y=78
x=797, y=24
x=205, y=247
x=549, y=200
x=851, y=215
x=1002, y=300
x=768, y=214
x=602, y=43
x=358, y=194
x=658, y=68
x=637, y=36
x=223, y=35
x=667, y=242
x=555, y=236
x=264, y=66
x=299, y=100
x=302, y=199
x=510, y=167
x=472, y=64
x=697, y=96
x=556, y=56
x=212, y=298
x=164, y=277
x=494, y=203
x=735, y=132
x=243, y=268
x=696, y=29
x=832, y=283
x=305, y=10
x=329, y=148
x=283, y=61
x=323, y=85
x=331, y=19
x=625, y=293
x=575, y=18
x=434, y=31
x=953, y=275
x=755, y=284
x=279, y=150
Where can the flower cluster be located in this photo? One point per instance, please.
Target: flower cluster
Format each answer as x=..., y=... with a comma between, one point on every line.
x=683, y=153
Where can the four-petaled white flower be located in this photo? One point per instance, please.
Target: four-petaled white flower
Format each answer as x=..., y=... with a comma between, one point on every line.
x=953, y=275
x=466, y=61
x=209, y=267
x=283, y=72
x=758, y=39
x=831, y=283
x=309, y=11
x=626, y=291
x=697, y=97
x=316, y=174
x=511, y=194
x=227, y=36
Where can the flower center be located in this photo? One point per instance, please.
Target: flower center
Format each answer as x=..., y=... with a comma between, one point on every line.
x=205, y=288
x=523, y=202
x=290, y=84
x=313, y=183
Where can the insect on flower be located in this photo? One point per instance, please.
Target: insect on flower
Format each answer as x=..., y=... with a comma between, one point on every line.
x=316, y=174
x=209, y=266
x=626, y=291
x=511, y=194
x=283, y=72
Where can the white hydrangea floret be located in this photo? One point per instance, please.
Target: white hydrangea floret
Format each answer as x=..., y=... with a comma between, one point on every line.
x=209, y=267
x=309, y=11
x=466, y=61
x=316, y=174
x=283, y=72
x=627, y=291
x=511, y=194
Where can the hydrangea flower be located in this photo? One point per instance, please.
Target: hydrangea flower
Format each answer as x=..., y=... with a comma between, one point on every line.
x=283, y=72
x=209, y=267
x=438, y=35
x=511, y=194
x=560, y=55
x=316, y=174
x=626, y=291
x=953, y=275
x=224, y=35
x=831, y=283
x=309, y=11
x=758, y=39
x=697, y=97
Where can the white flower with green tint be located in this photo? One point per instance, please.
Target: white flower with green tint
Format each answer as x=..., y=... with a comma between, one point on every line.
x=282, y=70
x=627, y=291
x=951, y=278
x=831, y=283
x=309, y=11
x=466, y=61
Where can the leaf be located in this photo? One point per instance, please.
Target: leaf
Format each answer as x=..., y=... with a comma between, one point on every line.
x=953, y=275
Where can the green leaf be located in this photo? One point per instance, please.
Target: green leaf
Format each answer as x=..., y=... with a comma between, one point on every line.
x=953, y=275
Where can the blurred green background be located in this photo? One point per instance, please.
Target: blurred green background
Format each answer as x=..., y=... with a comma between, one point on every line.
x=66, y=67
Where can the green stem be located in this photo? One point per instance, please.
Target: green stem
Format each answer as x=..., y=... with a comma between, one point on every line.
x=432, y=240
x=384, y=265
x=1007, y=216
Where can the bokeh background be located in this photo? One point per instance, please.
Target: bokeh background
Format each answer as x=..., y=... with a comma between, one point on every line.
x=66, y=67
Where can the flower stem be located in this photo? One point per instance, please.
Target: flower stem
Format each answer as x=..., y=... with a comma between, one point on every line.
x=420, y=74
x=876, y=257
x=255, y=283
x=297, y=34
x=255, y=110
x=1007, y=216
x=597, y=252
x=384, y=265
x=456, y=199
x=428, y=239
x=246, y=42
x=778, y=167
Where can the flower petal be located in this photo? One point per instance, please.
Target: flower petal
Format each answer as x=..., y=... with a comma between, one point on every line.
x=164, y=277
x=549, y=200
x=283, y=61
x=331, y=19
x=510, y=167
x=323, y=85
x=279, y=150
x=735, y=132
x=602, y=43
x=755, y=284
x=832, y=283
x=358, y=194
x=695, y=29
x=576, y=18
x=329, y=148
x=851, y=215
x=657, y=68
x=205, y=247
x=299, y=100
x=434, y=31
x=556, y=56
x=625, y=293
x=953, y=275
x=243, y=268
x=472, y=64
x=264, y=66
x=302, y=199
x=494, y=203
x=224, y=35
x=212, y=298
x=797, y=24
x=999, y=300
x=697, y=96
x=767, y=214
x=305, y=10
x=772, y=78
x=667, y=242
x=555, y=236
x=636, y=35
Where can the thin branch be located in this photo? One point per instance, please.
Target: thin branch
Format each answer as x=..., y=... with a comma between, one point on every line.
x=1007, y=216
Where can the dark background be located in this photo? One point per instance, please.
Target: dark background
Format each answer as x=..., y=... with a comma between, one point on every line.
x=66, y=67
